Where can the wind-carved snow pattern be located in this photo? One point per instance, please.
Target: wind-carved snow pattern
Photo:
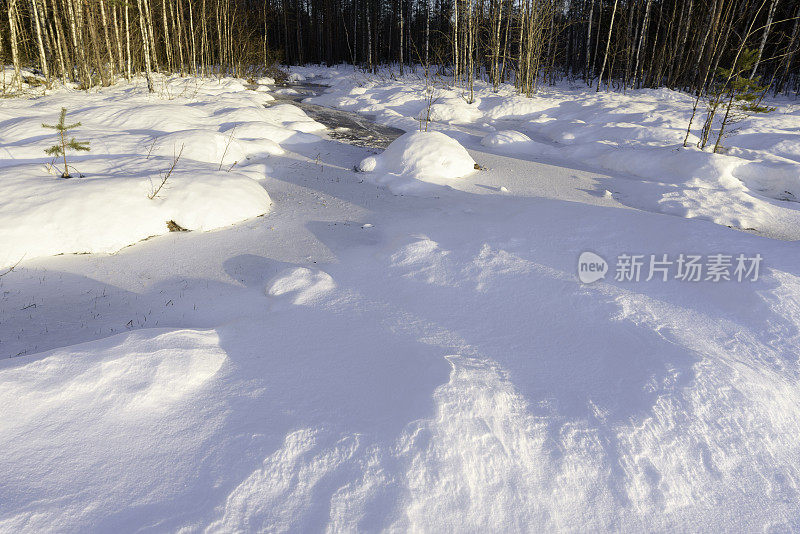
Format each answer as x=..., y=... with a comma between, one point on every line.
x=357, y=360
x=669, y=453
x=306, y=285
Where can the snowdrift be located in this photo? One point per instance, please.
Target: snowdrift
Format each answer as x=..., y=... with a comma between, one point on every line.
x=416, y=160
x=45, y=215
x=118, y=409
x=637, y=137
x=365, y=362
x=220, y=133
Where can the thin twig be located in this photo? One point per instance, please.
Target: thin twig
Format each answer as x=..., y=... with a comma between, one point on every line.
x=227, y=145
x=153, y=144
x=13, y=266
x=164, y=179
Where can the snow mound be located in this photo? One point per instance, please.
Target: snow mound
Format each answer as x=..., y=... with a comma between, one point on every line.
x=41, y=215
x=142, y=370
x=779, y=180
x=291, y=117
x=513, y=142
x=505, y=137
x=104, y=416
x=455, y=111
x=417, y=159
x=159, y=117
x=207, y=146
x=305, y=285
x=266, y=134
x=222, y=132
x=516, y=108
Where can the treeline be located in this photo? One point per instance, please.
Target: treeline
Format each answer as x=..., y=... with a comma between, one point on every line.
x=680, y=44
x=95, y=42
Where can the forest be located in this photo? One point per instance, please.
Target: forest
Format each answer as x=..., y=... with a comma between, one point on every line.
x=399, y=266
x=691, y=45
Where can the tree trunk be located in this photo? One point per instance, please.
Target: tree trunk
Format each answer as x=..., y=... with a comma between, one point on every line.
x=40, y=42
x=770, y=16
x=167, y=42
x=194, y=44
x=402, y=26
x=14, y=44
x=642, y=43
x=93, y=35
x=427, y=31
x=369, y=39
x=145, y=46
x=60, y=45
x=150, y=33
x=128, y=69
x=2, y=62
x=589, y=43
x=470, y=57
x=683, y=36
x=608, y=44
x=791, y=50
x=118, y=42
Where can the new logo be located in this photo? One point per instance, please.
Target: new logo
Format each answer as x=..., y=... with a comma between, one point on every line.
x=591, y=267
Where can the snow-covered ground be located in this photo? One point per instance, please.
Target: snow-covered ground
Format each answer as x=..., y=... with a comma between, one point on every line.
x=636, y=137
x=356, y=359
x=220, y=134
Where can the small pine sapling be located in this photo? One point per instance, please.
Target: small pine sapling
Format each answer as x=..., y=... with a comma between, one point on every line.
x=64, y=144
x=744, y=98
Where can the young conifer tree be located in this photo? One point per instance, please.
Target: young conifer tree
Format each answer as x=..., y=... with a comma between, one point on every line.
x=745, y=95
x=64, y=144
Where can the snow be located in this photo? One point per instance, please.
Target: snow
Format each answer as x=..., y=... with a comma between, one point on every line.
x=358, y=360
x=222, y=133
x=454, y=110
x=113, y=408
x=418, y=158
x=47, y=215
x=515, y=143
x=506, y=137
x=637, y=137
x=305, y=284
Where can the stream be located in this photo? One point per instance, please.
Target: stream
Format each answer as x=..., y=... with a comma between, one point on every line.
x=346, y=126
